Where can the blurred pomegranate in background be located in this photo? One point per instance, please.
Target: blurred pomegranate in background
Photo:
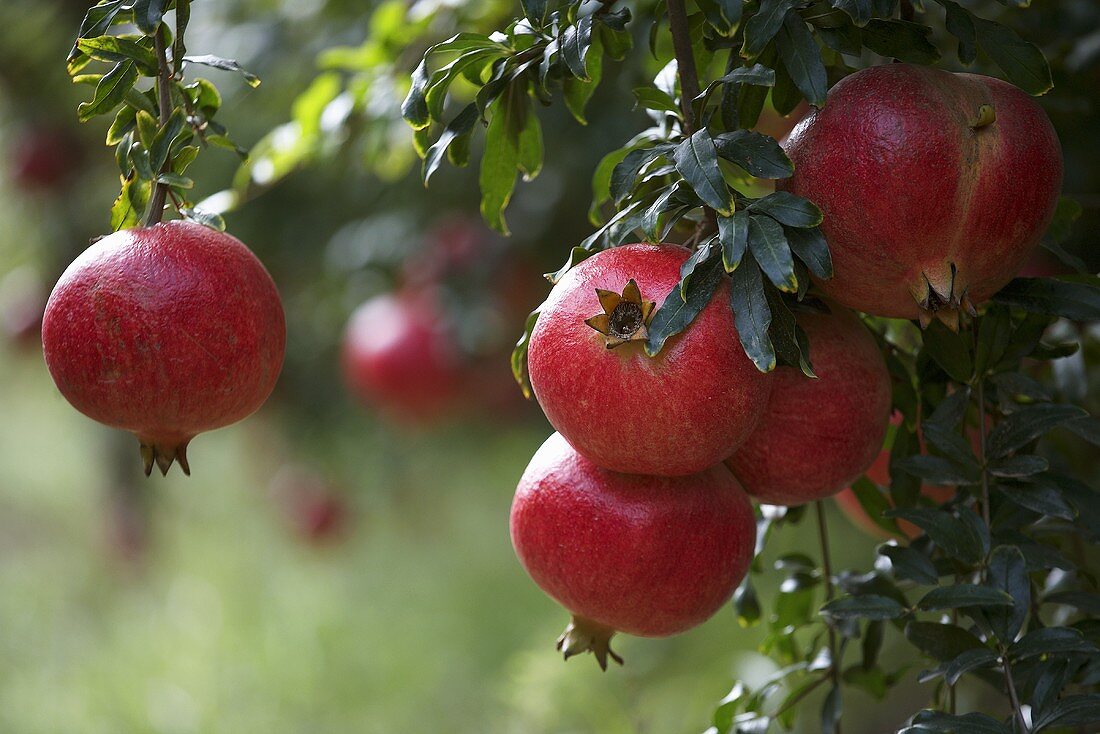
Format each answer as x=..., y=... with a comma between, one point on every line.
x=778, y=126
x=44, y=158
x=314, y=510
x=22, y=302
x=400, y=356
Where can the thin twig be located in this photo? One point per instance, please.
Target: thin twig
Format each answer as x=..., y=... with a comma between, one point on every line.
x=827, y=570
x=1013, y=696
x=164, y=102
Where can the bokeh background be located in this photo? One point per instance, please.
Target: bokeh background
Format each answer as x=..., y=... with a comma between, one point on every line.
x=336, y=566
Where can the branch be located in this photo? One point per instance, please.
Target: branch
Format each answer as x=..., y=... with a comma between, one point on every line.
x=164, y=102
x=827, y=569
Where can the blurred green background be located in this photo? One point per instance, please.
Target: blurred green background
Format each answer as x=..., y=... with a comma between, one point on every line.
x=330, y=567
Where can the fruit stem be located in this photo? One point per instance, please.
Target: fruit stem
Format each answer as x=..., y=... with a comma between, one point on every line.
x=827, y=570
x=164, y=102
x=689, y=77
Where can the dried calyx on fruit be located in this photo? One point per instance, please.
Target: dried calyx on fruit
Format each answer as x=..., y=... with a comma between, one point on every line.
x=625, y=316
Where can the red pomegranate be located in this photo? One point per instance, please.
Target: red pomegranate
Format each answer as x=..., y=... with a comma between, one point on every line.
x=649, y=556
x=677, y=413
x=819, y=435
x=44, y=158
x=879, y=473
x=936, y=187
x=314, y=509
x=400, y=357
x=165, y=331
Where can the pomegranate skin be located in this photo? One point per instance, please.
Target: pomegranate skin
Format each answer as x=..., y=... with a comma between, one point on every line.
x=650, y=556
x=913, y=178
x=165, y=331
x=677, y=413
x=398, y=357
x=819, y=435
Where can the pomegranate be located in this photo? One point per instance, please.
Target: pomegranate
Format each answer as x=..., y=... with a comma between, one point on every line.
x=315, y=511
x=819, y=435
x=44, y=158
x=879, y=473
x=399, y=356
x=165, y=331
x=649, y=556
x=919, y=174
x=677, y=413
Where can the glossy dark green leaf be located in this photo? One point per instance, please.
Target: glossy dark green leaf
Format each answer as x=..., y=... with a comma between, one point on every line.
x=1073, y=710
x=901, y=40
x=802, y=58
x=950, y=351
x=115, y=50
x=1018, y=466
x=165, y=137
x=1024, y=426
x=941, y=641
x=733, y=233
x=110, y=91
x=675, y=313
x=938, y=470
x=205, y=218
x=953, y=446
x=99, y=19
x=960, y=24
x=945, y=530
x=1051, y=641
x=1040, y=495
x=148, y=14
x=791, y=345
x=1007, y=572
x=699, y=257
x=1022, y=62
x=654, y=99
x=1082, y=600
x=847, y=39
x=758, y=154
x=970, y=660
x=911, y=564
x=497, y=177
x=810, y=247
x=938, y=722
x=183, y=19
x=832, y=708
x=864, y=607
x=216, y=62
x=575, y=44
x=576, y=255
x=746, y=604
x=626, y=172
x=963, y=595
x=859, y=11
x=768, y=244
x=697, y=161
x=762, y=27
x=788, y=209
x=577, y=92
x=751, y=313
x=1076, y=301
x=461, y=125
x=534, y=11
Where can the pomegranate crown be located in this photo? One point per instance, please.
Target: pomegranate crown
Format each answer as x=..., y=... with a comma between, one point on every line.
x=625, y=316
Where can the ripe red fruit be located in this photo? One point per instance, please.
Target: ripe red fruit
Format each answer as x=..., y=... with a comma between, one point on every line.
x=677, y=413
x=44, y=158
x=819, y=435
x=649, y=556
x=879, y=473
x=919, y=174
x=315, y=511
x=399, y=356
x=165, y=331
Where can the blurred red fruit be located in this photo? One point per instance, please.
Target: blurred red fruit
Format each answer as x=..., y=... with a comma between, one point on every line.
x=43, y=159
x=314, y=510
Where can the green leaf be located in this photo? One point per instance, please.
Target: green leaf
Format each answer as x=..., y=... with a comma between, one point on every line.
x=751, y=313
x=206, y=219
x=700, y=256
x=148, y=14
x=802, y=59
x=576, y=91
x=175, y=180
x=758, y=154
x=415, y=107
x=98, y=20
x=575, y=44
x=115, y=50
x=949, y=350
x=626, y=171
x=733, y=233
x=1039, y=495
x=1018, y=466
x=910, y=564
x=1007, y=572
x=535, y=11
x=810, y=247
x=746, y=604
x=697, y=161
x=942, y=642
x=460, y=126
x=937, y=470
x=960, y=24
x=952, y=445
x=576, y=256
x=654, y=99
x=859, y=11
x=963, y=595
x=166, y=135
x=970, y=660
x=131, y=204
x=1023, y=64
x=792, y=347
x=870, y=606
x=875, y=504
x=768, y=244
x=183, y=18
x=497, y=178
x=937, y=722
x=1074, y=710
x=1076, y=301
x=1027, y=424
x=762, y=27
x=788, y=209
x=125, y=121
x=901, y=40
x=217, y=62
x=519, y=355
x=110, y=91
x=676, y=313
x=945, y=530
x=1051, y=641
x=530, y=147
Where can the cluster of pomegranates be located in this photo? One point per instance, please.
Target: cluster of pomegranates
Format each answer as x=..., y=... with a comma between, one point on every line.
x=636, y=515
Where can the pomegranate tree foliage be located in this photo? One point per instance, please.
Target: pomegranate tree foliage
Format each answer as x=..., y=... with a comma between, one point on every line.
x=997, y=586
x=159, y=126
